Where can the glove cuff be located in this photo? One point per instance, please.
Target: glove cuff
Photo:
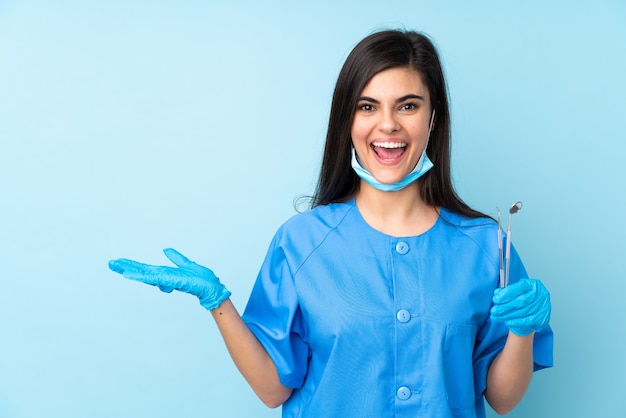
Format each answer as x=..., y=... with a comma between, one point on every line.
x=215, y=300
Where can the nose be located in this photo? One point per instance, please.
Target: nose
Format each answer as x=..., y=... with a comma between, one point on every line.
x=388, y=123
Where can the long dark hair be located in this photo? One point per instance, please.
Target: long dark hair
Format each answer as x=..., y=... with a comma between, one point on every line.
x=378, y=52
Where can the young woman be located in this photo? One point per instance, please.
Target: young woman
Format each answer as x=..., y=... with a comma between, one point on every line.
x=383, y=299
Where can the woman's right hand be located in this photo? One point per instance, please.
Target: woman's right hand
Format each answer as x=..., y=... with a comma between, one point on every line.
x=187, y=277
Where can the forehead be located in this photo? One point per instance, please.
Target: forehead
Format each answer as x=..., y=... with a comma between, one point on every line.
x=397, y=80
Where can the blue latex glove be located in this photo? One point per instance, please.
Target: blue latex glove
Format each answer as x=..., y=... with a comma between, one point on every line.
x=188, y=277
x=523, y=306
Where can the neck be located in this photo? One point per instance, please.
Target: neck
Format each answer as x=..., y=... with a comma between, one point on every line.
x=399, y=213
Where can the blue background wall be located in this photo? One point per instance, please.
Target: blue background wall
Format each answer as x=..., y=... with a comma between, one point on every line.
x=127, y=127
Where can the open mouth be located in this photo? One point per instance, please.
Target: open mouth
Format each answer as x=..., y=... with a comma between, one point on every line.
x=389, y=151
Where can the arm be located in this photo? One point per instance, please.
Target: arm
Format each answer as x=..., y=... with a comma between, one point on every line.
x=525, y=308
x=510, y=373
x=247, y=352
x=249, y=356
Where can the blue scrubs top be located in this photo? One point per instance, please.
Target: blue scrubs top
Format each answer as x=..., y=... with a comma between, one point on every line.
x=363, y=324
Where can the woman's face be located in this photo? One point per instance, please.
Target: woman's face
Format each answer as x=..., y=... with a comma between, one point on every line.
x=390, y=127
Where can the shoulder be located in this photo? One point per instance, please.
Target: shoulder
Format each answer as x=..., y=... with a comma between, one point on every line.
x=481, y=230
x=318, y=221
x=460, y=221
x=301, y=234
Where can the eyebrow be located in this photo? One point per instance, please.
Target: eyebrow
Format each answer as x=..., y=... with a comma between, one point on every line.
x=399, y=100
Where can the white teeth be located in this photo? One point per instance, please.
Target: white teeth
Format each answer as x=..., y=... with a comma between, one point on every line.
x=389, y=144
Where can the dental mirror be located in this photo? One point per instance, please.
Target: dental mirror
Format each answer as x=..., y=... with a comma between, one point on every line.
x=515, y=207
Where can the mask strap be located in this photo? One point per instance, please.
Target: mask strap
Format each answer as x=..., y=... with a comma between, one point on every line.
x=430, y=126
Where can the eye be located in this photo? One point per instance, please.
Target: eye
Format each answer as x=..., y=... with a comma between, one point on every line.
x=366, y=107
x=408, y=106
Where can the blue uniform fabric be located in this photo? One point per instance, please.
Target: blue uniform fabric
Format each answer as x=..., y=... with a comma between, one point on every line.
x=363, y=324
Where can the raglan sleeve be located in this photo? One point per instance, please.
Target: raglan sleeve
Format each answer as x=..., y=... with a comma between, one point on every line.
x=274, y=317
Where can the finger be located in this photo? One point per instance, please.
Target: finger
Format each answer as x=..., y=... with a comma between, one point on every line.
x=522, y=301
x=122, y=265
x=116, y=267
x=177, y=258
x=512, y=292
x=146, y=273
x=164, y=278
x=509, y=312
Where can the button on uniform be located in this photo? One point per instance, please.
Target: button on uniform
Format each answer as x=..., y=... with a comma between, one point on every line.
x=402, y=248
x=403, y=393
x=403, y=316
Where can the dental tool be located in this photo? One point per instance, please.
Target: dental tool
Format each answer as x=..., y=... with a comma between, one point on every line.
x=500, y=250
x=516, y=207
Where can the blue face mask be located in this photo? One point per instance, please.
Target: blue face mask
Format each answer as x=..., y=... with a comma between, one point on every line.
x=423, y=165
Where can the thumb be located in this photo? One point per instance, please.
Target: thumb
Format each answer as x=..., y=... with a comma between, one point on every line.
x=512, y=292
x=177, y=258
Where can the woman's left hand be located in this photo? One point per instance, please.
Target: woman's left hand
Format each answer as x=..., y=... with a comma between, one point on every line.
x=523, y=306
x=187, y=277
